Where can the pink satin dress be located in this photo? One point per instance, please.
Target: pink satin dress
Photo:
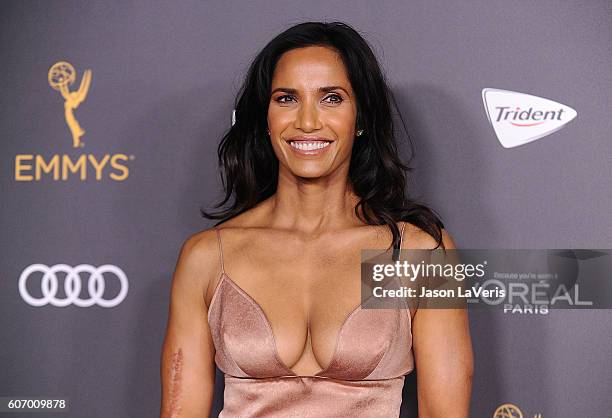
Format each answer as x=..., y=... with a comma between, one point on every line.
x=365, y=377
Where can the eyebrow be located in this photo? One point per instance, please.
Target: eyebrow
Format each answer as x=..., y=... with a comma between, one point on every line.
x=325, y=89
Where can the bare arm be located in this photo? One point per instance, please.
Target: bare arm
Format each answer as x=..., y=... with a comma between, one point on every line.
x=444, y=359
x=187, y=360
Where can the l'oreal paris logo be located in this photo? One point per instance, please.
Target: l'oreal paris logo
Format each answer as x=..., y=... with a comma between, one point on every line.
x=520, y=118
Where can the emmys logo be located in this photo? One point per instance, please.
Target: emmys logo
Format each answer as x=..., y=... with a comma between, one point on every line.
x=29, y=167
x=509, y=410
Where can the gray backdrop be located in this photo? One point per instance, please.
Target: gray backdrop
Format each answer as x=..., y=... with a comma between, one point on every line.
x=164, y=78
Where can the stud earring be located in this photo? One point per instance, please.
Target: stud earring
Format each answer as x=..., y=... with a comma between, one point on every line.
x=359, y=132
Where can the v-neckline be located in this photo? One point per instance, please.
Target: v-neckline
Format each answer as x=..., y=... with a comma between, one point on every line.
x=225, y=276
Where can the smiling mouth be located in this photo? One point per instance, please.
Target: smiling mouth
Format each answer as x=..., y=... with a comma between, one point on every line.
x=309, y=145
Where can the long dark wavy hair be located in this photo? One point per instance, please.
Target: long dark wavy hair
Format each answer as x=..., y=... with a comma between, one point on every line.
x=249, y=167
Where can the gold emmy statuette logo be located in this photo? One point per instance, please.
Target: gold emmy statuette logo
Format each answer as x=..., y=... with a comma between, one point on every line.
x=64, y=166
x=508, y=410
x=62, y=75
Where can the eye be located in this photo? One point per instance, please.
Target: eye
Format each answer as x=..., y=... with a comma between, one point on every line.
x=279, y=99
x=338, y=98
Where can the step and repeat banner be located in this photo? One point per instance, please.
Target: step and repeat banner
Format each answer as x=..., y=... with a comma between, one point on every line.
x=111, y=116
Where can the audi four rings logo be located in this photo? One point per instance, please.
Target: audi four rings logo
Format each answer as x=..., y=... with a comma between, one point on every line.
x=72, y=285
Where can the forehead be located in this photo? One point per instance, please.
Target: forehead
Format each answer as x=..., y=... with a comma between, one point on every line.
x=310, y=67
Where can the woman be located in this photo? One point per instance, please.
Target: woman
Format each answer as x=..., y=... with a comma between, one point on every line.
x=271, y=293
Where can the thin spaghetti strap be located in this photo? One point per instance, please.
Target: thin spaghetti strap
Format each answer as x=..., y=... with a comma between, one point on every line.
x=220, y=249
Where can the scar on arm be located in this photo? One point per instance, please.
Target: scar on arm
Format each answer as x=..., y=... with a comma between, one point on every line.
x=174, y=394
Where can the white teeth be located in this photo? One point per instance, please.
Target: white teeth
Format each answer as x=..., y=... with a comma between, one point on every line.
x=309, y=146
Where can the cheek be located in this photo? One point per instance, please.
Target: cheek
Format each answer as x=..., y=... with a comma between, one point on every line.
x=342, y=120
x=278, y=117
x=347, y=147
x=343, y=125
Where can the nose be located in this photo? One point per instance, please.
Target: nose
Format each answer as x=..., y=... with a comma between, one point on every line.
x=307, y=118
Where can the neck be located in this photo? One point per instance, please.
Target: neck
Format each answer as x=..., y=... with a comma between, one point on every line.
x=313, y=205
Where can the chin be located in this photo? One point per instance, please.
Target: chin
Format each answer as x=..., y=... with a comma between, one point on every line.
x=308, y=172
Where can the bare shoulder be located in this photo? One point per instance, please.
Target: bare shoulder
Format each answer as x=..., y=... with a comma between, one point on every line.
x=198, y=261
x=200, y=248
x=417, y=239
x=243, y=229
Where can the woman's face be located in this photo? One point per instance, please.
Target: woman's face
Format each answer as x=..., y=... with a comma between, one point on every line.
x=312, y=112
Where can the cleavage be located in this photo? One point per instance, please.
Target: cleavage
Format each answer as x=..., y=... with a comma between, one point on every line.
x=305, y=344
